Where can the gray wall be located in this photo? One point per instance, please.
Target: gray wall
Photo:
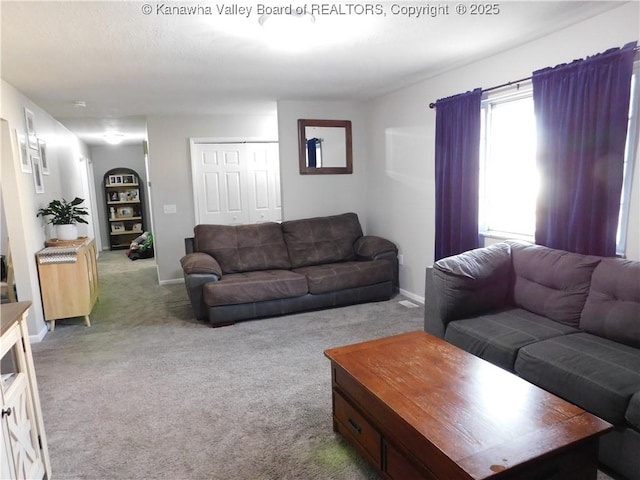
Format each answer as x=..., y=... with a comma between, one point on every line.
x=318, y=195
x=402, y=133
x=66, y=179
x=170, y=174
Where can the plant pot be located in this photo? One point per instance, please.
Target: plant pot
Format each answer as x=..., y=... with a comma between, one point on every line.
x=67, y=232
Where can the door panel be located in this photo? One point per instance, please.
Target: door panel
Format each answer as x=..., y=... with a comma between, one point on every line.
x=211, y=192
x=264, y=182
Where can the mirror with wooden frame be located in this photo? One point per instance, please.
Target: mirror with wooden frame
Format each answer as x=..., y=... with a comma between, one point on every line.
x=325, y=147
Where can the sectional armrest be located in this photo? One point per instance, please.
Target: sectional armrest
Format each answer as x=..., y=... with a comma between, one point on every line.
x=465, y=285
x=199, y=269
x=632, y=415
x=433, y=324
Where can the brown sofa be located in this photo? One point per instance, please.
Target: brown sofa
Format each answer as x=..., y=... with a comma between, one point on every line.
x=244, y=272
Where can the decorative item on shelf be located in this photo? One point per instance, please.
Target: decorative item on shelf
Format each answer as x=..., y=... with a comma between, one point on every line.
x=137, y=227
x=129, y=179
x=64, y=216
x=112, y=212
x=113, y=196
x=125, y=212
x=117, y=227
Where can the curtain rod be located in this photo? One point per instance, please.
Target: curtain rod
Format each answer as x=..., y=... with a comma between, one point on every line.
x=484, y=90
x=515, y=82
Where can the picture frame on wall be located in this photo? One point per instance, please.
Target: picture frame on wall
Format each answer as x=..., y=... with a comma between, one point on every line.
x=38, y=180
x=32, y=138
x=21, y=144
x=42, y=148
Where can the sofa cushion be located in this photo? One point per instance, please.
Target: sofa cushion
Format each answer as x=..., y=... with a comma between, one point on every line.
x=552, y=283
x=497, y=337
x=343, y=275
x=320, y=240
x=612, y=309
x=472, y=282
x=595, y=373
x=243, y=248
x=255, y=286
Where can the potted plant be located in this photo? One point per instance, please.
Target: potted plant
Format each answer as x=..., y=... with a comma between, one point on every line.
x=64, y=215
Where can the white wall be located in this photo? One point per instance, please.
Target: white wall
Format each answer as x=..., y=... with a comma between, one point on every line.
x=170, y=174
x=402, y=133
x=26, y=232
x=319, y=195
x=106, y=158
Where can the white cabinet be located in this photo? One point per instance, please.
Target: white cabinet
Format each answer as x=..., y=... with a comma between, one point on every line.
x=23, y=454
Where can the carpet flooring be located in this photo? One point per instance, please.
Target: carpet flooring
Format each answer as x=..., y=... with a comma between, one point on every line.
x=147, y=392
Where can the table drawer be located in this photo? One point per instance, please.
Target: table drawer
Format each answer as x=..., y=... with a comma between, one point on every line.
x=399, y=468
x=356, y=428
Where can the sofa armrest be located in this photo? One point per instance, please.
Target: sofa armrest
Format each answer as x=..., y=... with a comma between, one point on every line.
x=433, y=324
x=471, y=283
x=199, y=269
x=202, y=263
x=371, y=247
x=632, y=415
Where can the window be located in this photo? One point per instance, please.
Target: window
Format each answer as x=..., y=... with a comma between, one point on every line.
x=509, y=180
x=508, y=175
x=630, y=152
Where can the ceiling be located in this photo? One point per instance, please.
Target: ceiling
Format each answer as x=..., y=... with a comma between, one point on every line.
x=127, y=60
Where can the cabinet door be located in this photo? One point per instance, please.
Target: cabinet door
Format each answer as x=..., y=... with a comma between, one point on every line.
x=19, y=429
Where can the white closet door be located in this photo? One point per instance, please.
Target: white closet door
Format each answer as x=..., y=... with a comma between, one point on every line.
x=236, y=183
x=263, y=173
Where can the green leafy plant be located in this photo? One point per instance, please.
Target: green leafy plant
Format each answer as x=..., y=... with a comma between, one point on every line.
x=63, y=212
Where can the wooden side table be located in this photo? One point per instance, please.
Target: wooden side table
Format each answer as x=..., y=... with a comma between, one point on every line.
x=68, y=281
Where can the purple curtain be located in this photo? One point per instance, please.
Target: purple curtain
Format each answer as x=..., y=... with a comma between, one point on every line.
x=457, y=173
x=581, y=113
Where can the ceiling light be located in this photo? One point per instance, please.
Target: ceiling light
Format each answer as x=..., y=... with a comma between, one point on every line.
x=80, y=104
x=113, y=138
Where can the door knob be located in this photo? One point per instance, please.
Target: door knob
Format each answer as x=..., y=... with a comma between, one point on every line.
x=6, y=412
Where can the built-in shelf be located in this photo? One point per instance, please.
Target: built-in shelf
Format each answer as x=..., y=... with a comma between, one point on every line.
x=123, y=200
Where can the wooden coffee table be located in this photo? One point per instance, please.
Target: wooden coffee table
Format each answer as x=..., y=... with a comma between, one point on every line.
x=417, y=407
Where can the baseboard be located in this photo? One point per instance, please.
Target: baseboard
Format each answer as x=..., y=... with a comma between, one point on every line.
x=37, y=338
x=412, y=296
x=173, y=281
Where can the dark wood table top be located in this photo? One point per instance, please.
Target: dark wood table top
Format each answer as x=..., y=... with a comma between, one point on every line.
x=478, y=415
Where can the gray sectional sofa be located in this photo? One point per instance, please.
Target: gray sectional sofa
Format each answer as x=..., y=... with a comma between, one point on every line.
x=566, y=322
x=244, y=272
